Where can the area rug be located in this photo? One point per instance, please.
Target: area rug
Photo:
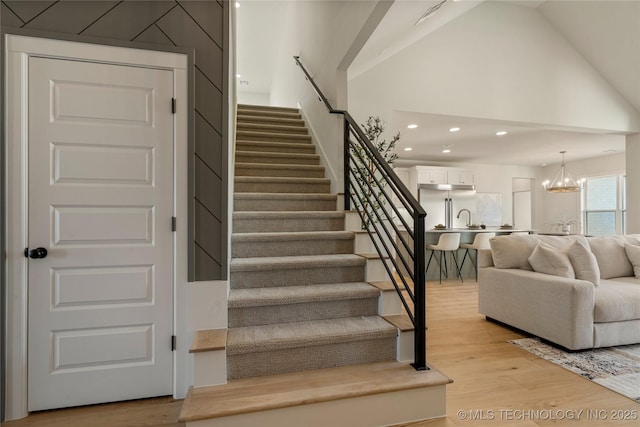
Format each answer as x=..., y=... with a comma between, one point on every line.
x=616, y=368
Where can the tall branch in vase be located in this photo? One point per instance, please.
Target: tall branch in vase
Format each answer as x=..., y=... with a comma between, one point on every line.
x=367, y=170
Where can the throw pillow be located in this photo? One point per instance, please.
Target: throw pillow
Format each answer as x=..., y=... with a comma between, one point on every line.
x=549, y=260
x=584, y=262
x=512, y=251
x=633, y=253
x=611, y=256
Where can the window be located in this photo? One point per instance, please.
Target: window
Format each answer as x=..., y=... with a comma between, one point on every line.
x=604, y=205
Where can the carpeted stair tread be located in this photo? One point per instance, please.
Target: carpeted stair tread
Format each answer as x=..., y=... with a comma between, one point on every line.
x=277, y=158
x=278, y=136
x=256, y=339
x=293, y=196
x=269, y=108
x=274, y=169
x=308, y=215
x=248, y=118
x=287, y=221
x=295, y=262
x=299, y=294
x=276, y=147
x=282, y=179
x=292, y=236
x=271, y=127
x=284, y=201
x=281, y=184
x=292, y=243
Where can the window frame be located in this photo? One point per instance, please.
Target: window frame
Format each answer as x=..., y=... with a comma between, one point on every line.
x=620, y=210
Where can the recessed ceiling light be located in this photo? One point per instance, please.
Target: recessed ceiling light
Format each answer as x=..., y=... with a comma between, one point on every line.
x=446, y=150
x=238, y=75
x=412, y=126
x=237, y=4
x=408, y=149
x=610, y=150
x=501, y=133
x=454, y=129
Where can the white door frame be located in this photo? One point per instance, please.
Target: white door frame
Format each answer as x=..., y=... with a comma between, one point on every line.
x=18, y=49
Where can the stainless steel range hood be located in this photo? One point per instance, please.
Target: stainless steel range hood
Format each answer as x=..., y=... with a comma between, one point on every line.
x=447, y=187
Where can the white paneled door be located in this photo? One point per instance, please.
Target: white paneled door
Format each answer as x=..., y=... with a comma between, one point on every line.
x=100, y=185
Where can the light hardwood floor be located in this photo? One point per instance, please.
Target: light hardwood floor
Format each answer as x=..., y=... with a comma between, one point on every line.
x=495, y=383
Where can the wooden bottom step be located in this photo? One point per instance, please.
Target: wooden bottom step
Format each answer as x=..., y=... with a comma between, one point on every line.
x=376, y=394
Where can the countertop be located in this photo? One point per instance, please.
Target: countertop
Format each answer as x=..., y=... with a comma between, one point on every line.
x=477, y=230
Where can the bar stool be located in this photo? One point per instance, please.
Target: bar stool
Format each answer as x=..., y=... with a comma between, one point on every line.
x=480, y=241
x=448, y=242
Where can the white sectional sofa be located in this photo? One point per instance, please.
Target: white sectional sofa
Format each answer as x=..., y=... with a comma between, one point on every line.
x=576, y=292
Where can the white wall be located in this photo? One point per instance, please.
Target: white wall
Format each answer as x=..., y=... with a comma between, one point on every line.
x=324, y=34
x=253, y=98
x=498, y=61
x=633, y=183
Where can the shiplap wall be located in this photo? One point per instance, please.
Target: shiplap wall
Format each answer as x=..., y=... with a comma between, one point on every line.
x=196, y=25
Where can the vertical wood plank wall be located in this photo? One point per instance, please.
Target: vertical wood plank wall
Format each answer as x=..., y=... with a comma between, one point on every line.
x=195, y=25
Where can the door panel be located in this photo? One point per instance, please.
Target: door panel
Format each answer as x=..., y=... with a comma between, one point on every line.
x=101, y=202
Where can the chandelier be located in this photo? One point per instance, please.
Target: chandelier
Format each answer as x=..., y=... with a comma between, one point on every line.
x=563, y=182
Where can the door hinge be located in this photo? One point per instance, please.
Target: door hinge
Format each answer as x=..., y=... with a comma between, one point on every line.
x=174, y=344
x=174, y=223
x=173, y=105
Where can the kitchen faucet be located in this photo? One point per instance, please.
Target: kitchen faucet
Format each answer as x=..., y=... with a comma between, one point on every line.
x=468, y=212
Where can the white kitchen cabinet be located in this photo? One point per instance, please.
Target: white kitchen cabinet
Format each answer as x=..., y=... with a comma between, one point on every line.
x=460, y=177
x=432, y=176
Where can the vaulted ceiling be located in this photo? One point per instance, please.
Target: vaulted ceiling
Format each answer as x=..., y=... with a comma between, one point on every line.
x=605, y=32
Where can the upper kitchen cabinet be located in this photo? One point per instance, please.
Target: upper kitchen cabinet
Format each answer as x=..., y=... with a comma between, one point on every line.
x=438, y=175
x=432, y=176
x=459, y=177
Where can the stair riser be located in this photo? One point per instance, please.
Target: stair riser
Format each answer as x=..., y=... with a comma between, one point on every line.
x=280, y=172
x=284, y=205
x=278, y=187
x=308, y=358
x=271, y=128
x=276, y=225
x=269, y=315
x=296, y=277
x=278, y=160
x=291, y=248
x=268, y=136
x=265, y=147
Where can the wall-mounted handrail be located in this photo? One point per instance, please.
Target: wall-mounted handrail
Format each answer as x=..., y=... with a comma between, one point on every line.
x=371, y=188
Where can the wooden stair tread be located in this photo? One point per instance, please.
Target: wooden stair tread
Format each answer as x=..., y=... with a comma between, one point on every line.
x=400, y=321
x=209, y=340
x=372, y=255
x=383, y=285
x=307, y=387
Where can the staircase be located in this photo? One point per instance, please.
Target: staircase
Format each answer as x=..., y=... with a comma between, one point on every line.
x=299, y=304
x=298, y=297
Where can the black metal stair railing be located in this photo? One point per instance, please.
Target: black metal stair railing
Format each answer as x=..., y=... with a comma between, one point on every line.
x=391, y=215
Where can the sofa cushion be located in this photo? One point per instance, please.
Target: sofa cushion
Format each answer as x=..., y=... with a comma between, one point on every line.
x=513, y=251
x=611, y=255
x=584, y=262
x=549, y=260
x=633, y=253
x=617, y=300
